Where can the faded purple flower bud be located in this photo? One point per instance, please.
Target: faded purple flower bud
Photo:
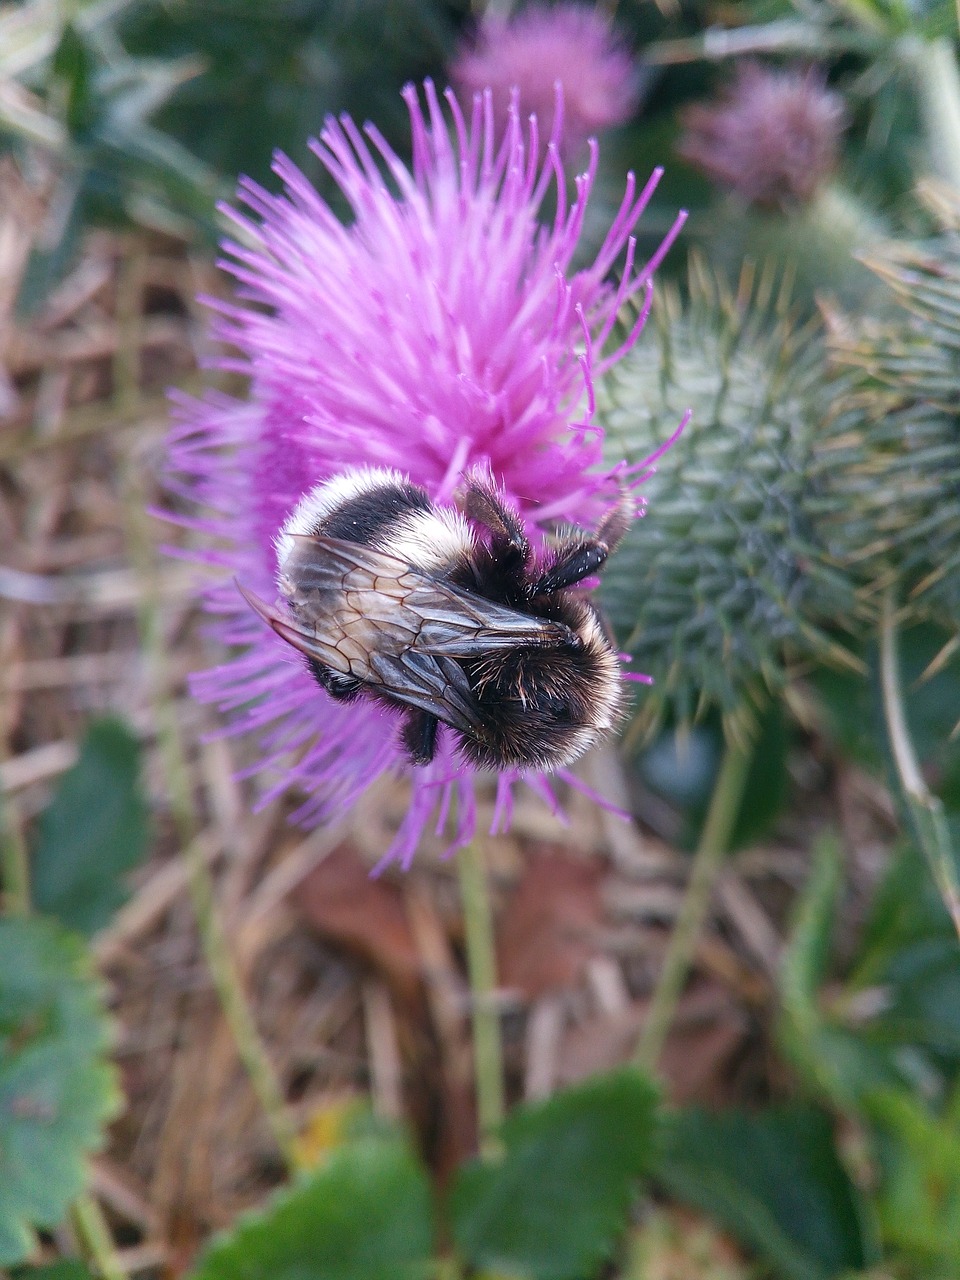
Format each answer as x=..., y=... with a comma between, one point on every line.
x=773, y=137
x=443, y=329
x=541, y=47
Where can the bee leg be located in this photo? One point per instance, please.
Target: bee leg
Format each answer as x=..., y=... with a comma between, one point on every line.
x=577, y=558
x=510, y=542
x=343, y=688
x=420, y=735
x=572, y=563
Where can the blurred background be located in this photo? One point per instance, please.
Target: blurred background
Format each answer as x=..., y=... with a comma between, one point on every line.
x=793, y=776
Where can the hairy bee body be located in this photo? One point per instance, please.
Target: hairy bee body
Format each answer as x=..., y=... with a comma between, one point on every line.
x=445, y=614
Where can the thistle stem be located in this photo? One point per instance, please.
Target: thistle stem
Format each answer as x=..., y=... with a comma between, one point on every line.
x=94, y=1238
x=925, y=808
x=713, y=845
x=934, y=68
x=14, y=864
x=236, y=1007
x=223, y=970
x=481, y=967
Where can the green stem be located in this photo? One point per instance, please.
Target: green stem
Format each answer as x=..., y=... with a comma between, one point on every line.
x=94, y=1238
x=14, y=865
x=236, y=1008
x=223, y=970
x=934, y=68
x=714, y=842
x=482, y=969
x=925, y=808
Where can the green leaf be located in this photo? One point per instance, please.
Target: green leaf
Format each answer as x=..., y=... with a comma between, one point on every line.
x=919, y=1194
x=835, y=1060
x=906, y=913
x=57, y=1090
x=933, y=706
x=805, y=961
x=909, y=952
x=850, y=714
x=94, y=830
x=555, y=1204
x=766, y=786
x=66, y=1269
x=365, y=1215
x=774, y=1180
x=72, y=73
x=49, y=263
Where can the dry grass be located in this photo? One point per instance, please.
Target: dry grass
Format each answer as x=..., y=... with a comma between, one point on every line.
x=82, y=386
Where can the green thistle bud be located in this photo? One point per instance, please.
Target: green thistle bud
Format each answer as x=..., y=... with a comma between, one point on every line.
x=725, y=580
x=888, y=461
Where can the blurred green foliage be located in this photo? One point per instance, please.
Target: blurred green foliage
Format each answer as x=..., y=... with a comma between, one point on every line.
x=93, y=832
x=775, y=1178
x=66, y=1269
x=57, y=1089
x=271, y=73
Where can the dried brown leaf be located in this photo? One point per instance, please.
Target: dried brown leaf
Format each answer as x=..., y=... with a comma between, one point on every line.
x=550, y=927
x=365, y=917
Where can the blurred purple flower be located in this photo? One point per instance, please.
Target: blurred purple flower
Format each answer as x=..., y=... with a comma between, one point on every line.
x=442, y=327
x=773, y=137
x=541, y=46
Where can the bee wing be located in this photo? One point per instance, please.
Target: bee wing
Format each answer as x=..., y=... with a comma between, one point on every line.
x=366, y=614
x=435, y=685
x=417, y=611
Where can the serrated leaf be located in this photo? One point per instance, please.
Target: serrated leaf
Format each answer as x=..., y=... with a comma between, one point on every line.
x=365, y=1215
x=94, y=831
x=774, y=1180
x=57, y=1090
x=555, y=1204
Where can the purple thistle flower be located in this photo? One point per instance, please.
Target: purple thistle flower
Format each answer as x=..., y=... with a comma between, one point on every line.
x=443, y=328
x=567, y=44
x=773, y=137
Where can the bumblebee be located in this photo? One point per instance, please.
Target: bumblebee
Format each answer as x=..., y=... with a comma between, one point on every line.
x=447, y=615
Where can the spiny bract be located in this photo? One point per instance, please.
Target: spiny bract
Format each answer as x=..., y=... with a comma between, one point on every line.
x=888, y=460
x=713, y=595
